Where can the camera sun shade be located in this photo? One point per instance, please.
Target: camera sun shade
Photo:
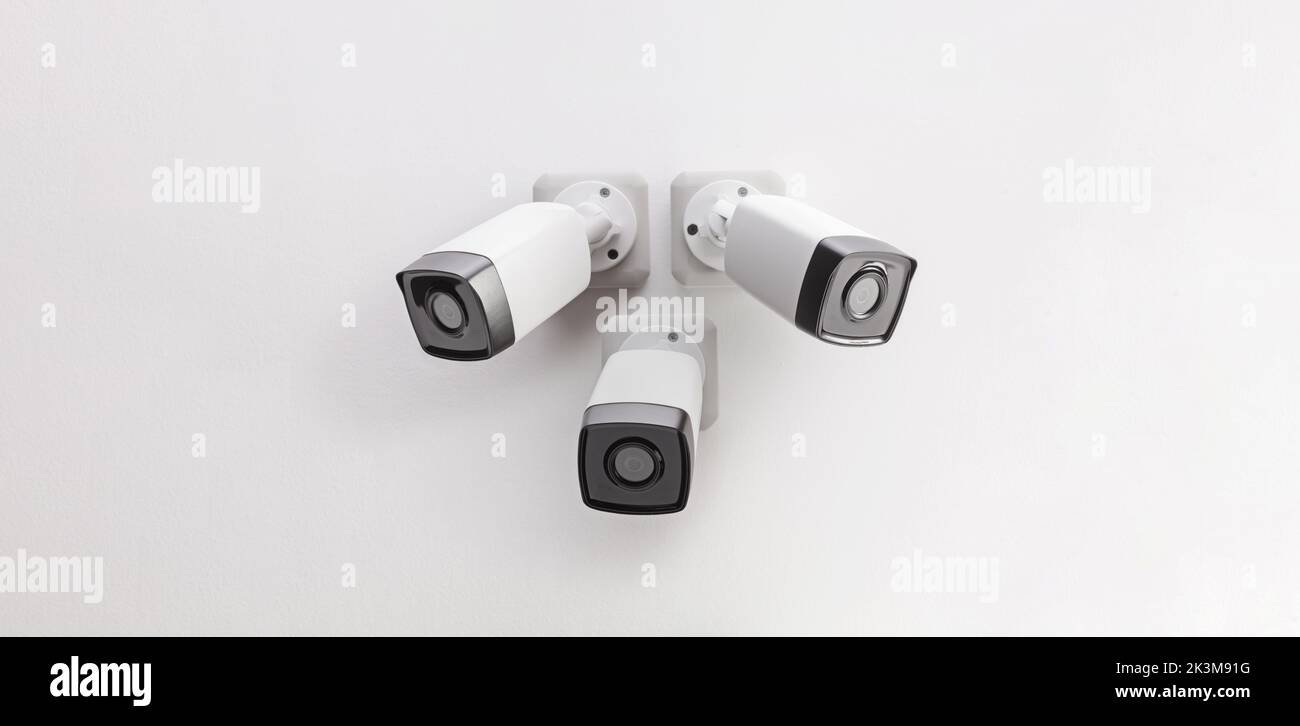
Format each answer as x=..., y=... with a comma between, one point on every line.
x=457, y=305
x=853, y=290
x=636, y=458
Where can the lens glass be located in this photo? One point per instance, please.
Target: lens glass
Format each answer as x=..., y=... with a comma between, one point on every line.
x=864, y=294
x=633, y=464
x=446, y=311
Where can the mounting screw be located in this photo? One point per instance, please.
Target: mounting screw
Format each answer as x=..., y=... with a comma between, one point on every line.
x=604, y=191
x=742, y=191
x=672, y=337
x=692, y=229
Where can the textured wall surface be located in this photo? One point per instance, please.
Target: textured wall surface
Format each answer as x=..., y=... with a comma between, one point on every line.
x=1091, y=401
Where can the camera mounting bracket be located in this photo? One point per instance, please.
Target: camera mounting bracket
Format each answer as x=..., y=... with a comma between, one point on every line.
x=701, y=204
x=616, y=209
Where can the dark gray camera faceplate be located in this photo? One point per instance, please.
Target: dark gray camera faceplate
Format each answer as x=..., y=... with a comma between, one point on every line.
x=836, y=264
x=472, y=280
x=664, y=429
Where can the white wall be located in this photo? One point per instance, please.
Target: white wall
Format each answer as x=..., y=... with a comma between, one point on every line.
x=1169, y=333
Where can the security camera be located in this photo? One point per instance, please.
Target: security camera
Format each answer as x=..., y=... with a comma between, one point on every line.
x=830, y=279
x=637, y=445
x=479, y=293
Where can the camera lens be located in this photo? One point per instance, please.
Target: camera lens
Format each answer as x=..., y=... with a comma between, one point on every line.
x=446, y=311
x=864, y=293
x=633, y=464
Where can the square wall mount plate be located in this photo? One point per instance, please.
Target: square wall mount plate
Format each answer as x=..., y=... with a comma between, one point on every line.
x=697, y=261
x=623, y=259
x=612, y=342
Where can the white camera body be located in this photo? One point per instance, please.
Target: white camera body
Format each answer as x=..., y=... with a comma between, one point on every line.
x=540, y=252
x=475, y=295
x=667, y=378
x=829, y=278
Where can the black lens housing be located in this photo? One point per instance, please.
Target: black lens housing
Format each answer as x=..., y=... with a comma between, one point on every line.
x=621, y=478
x=452, y=320
x=471, y=283
x=663, y=431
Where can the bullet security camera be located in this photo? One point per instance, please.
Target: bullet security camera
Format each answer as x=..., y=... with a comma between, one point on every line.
x=830, y=279
x=637, y=445
x=477, y=294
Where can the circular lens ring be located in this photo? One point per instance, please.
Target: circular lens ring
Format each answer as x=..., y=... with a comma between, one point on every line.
x=445, y=310
x=874, y=273
x=634, y=445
